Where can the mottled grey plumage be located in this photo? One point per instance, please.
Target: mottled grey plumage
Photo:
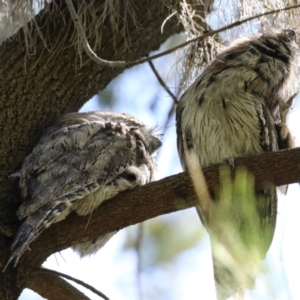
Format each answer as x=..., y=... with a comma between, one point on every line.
x=230, y=111
x=82, y=160
x=285, y=139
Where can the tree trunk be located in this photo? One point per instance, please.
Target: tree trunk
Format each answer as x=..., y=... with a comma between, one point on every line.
x=40, y=80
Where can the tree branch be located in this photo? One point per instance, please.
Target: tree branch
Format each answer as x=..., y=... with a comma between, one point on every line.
x=51, y=286
x=62, y=286
x=88, y=50
x=52, y=82
x=165, y=196
x=44, y=74
x=162, y=83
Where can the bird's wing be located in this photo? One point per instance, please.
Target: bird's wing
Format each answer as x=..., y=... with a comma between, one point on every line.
x=75, y=161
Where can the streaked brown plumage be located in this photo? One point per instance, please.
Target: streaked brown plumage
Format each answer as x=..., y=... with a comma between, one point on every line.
x=232, y=110
x=79, y=162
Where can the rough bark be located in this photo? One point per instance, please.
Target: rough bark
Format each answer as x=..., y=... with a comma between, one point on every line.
x=168, y=195
x=39, y=85
x=36, y=88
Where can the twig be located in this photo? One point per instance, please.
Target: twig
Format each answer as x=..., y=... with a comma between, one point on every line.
x=162, y=83
x=60, y=288
x=89, y=287
x=123, y=64
x=200, y=186
x=166, y=20
x=138, y=246
x=170, y=114
x=91, y=54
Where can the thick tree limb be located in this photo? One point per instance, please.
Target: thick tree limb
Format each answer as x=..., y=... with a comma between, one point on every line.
x=42, y=85
x=168, y=195
x=37, y=87
x=54, y=77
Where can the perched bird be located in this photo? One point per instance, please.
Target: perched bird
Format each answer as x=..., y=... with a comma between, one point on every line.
x=79, y=162
x=232, y=110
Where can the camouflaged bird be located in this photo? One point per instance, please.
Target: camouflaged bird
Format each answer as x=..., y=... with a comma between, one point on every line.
x=79, y=162
x=231, y=110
